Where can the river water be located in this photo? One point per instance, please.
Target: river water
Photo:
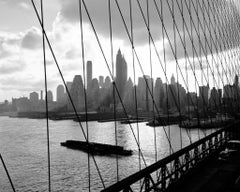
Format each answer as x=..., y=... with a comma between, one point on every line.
x=23, y=145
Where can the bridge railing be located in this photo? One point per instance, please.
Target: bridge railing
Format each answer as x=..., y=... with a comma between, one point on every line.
x=162, y=174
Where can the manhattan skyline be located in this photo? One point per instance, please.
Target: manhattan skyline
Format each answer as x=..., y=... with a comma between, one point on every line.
x=21, y=59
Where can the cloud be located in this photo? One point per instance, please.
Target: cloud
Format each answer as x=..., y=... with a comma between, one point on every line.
x=197, y=25
x=72, y=53
x=10, y=66
x=32, y=39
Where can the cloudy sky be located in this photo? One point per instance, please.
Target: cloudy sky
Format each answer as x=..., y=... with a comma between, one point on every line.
x=21, y=58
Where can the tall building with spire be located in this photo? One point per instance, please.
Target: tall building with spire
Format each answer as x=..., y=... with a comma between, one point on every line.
x=121, y=73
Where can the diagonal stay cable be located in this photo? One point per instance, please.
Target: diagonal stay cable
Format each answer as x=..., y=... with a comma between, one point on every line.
x=68, y=93
x=128, y=34
x=134, y=81
x=46, y=100
x=8, y=175
x=114, y=93
x=154, y=45
x=112, y=77
x=84, y=90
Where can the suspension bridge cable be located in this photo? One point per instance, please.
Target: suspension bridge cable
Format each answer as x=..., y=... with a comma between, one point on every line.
x=84, y=91
x=140, y=65
x=176, y=68
x=171, y=46
x=114, y=94
x=112, y=77
x=190, y=38
x=232, y=44
x=165, y=67
x=219, y=36
x=67, y=90
x=194, y=69
x=207, y=43
x=229, y=47
x=46, y=99
x=8, y=175
x=186, y=71
x=134, y=81
x=151, y=81
x=138, y=58
x=188, y=30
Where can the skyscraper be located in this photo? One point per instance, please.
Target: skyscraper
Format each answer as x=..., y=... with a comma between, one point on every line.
x=121, y=73
x=89, y=74
x=33, y=97
x=203, y=95
x=77, y=93
x=50, y=96
x=101, y=79
x=60, y=93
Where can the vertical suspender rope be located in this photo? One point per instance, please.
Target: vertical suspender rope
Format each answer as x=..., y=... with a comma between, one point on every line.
x=178, y=90
x=151, y=81
x=46, y=100
x=165, y=65
x=84, y=90
x=67, y=90
x=114, y=93
x=134, y=81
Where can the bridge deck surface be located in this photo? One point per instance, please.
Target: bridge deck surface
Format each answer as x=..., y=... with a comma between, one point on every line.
x=214, y=176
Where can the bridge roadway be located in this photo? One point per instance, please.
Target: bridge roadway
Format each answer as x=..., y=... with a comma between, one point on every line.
x=213, y=175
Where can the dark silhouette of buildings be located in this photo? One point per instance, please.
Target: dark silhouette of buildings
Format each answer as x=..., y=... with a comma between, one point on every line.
x=168, y=98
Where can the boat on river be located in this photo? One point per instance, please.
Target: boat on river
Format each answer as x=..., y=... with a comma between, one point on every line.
x=96, y=148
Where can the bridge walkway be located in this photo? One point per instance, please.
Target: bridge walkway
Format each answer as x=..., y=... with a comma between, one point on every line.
x=213, y=175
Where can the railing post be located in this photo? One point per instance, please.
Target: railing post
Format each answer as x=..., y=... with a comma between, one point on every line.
x=163, y=172
x=204, y=150
x=147, y=183
x=187, y=158
x=196, y=158
x=210, y=145
x=221, y=139
x=216, y=145
x=176, y=169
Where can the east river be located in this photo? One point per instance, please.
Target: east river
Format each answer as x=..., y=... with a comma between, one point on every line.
x=23, y=145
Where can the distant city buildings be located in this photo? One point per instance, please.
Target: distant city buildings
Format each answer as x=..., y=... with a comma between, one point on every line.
x=168, y=98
